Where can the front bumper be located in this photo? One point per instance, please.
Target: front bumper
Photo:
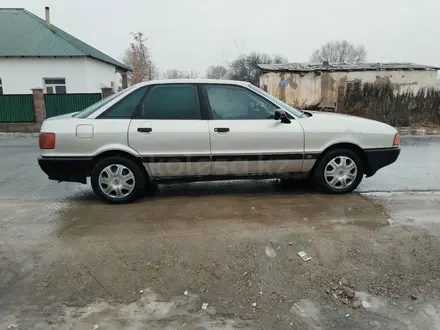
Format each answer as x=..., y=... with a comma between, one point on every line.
x=378, y=158
x=71, y=169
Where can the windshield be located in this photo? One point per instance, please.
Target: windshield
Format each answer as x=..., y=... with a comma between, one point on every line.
x=280, y=103
x=88, y=111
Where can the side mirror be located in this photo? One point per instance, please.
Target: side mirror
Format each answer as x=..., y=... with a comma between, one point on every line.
x=280, y=114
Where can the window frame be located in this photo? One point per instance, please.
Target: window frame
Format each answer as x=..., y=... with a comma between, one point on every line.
x=114, y=104
x=208, y=105
x=140, y=109
x=54, y=85
x=1, y=87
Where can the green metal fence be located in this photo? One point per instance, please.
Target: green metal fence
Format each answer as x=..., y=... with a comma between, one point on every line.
x=16, y=109
x=60, y=104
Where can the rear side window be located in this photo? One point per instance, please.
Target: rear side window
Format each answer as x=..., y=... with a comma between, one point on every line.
x=125, y=108
x=171, y=102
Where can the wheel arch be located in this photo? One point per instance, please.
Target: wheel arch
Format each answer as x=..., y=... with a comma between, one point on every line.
x=346, y=145
x=121, y=153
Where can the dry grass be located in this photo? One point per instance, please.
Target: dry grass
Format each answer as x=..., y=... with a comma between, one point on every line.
x=381, y=102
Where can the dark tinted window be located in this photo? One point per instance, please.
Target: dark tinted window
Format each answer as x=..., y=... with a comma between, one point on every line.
x=172, y=102
x=234, y=102
x=60, y=89
x=51, y=81
x=125, y=107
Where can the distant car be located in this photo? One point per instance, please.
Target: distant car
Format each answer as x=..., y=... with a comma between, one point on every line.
x=192, y=130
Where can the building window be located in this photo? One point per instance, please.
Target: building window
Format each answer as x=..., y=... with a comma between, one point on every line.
x=55, y=85
x=1, y=87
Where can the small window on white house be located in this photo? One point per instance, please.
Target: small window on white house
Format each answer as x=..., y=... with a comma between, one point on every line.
x=1, y=87
x=55, y=85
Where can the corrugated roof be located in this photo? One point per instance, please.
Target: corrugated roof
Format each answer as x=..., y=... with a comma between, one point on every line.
x=25, y=34
x=309, y=67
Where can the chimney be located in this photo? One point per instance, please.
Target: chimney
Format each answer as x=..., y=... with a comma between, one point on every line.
x=47, y=15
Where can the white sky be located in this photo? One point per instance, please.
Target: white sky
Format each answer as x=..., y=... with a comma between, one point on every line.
x=193, y=34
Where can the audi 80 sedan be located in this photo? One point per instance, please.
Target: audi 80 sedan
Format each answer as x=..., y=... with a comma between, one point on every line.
x=193, y=130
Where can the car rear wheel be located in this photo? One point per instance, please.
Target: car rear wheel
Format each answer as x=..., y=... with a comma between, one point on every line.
x=339, y=171
x=117, y=180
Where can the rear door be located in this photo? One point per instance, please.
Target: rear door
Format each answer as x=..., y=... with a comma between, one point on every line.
x=245, y=137
x=169, y=132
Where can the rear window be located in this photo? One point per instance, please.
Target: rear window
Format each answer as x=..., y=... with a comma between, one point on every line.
x=125, y=107
x=94, y=107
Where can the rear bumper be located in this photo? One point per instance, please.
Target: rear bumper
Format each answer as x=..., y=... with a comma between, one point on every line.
x=379, y=158
x=75, y=169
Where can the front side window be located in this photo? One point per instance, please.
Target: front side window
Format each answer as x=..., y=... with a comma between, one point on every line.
x=234, y=102
x=177, y=102
x=280, y=103
x=55, y=85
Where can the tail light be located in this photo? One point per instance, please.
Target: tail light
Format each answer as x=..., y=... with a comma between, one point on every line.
x=396, y=140
x=47, y=141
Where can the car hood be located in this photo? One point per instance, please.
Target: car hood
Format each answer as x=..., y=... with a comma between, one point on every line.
x=346, y=119
x=349, y=123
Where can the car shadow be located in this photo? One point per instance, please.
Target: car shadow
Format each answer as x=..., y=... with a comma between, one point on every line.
x=234, y=187
x=208, y=188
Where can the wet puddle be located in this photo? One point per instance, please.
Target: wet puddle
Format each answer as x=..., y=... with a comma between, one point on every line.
x=212, y=214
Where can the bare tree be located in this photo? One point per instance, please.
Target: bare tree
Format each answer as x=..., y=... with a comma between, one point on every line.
x=178, y=74
x=137, y=57
x=216, y=72
x=339, y=52
x=245, y=67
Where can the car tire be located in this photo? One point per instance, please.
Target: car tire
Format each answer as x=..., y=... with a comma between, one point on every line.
x=118, y=180
x=339, y=171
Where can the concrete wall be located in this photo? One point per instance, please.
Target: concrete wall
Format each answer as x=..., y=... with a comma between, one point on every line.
x=313, y=86
x=83, y=75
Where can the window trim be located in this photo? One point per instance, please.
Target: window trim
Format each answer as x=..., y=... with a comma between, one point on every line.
x=204, y=107
x=125, y=95
x=139, y=110
x=208, y=105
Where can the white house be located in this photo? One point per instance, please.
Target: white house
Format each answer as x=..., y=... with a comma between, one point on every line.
x=34, y=53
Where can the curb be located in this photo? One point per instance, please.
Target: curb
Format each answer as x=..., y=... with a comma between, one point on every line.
x=418, y=131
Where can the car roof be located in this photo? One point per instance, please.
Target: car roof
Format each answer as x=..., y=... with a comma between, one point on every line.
x=194, y=81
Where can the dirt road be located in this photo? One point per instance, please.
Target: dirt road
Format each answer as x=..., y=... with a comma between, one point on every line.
x=68, y=261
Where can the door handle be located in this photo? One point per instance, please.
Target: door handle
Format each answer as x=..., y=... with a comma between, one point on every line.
x=221, y=129
x=144, y=129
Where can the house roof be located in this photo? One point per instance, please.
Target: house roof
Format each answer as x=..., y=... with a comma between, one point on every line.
x=310, y=67
x=24, y=34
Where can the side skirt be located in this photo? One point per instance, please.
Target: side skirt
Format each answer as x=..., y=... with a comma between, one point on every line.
x=180, y=179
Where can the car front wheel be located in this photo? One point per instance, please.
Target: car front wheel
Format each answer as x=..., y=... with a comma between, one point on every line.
x=339, y=171
x=117, y=180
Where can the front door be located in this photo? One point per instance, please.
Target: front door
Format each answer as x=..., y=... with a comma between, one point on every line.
x=170, y=134
x=245, y=137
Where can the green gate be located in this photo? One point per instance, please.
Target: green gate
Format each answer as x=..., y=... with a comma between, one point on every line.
x=60, y=104
x=16, y=109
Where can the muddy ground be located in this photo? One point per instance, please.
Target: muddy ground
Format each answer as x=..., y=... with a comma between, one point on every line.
x=68, y=261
